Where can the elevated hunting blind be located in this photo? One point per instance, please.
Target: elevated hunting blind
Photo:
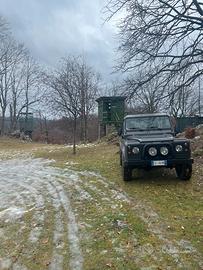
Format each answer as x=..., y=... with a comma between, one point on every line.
x=111, y=111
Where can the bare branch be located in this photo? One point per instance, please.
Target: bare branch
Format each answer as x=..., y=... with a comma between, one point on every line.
x=165, y=34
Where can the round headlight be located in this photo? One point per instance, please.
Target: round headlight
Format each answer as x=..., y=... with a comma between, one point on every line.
x=152, y=151
x=135, y=150
x=164, y=151
x=179, y=148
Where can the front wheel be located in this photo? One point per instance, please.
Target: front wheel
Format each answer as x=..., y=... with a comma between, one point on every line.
x=184, y=172
x=127, y=173
x=121, y=162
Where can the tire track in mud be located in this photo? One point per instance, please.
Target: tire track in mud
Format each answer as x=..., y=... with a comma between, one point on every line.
x=34, y=178
x=158, y=227
x=25, y=184
x=28, y=183
x=144, y=211
x=61, y=199
x=58, y=241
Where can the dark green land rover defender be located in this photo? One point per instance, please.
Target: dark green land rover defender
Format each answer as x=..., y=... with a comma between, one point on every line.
x=148, y=141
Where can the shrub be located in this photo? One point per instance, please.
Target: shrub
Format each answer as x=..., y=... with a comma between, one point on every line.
x=190, y=133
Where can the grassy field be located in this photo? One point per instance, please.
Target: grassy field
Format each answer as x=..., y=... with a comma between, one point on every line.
x=133, y=225
x=178, y=203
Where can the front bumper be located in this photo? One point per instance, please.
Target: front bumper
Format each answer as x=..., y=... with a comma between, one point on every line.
x=170, y=163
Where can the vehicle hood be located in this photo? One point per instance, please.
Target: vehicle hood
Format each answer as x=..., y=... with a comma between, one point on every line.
x=149, y=138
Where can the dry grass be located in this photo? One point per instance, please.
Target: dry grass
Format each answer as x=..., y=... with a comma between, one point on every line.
x=177, y=203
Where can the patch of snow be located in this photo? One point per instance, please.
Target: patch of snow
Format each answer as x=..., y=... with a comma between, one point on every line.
x=58, y=237
x=120, y=196
x=197, y=138
x=76, y=260
x=57, y=262
x=31, y=177
x=71, y=163
x=35, y=234
x=32, y=182
x=5, y=264
x=186, y=245
x=87, y=145
x=17, y=266
x=12, y=214
x=2, y=233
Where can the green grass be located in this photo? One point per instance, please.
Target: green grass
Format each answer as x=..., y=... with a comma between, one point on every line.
x=7, y=144
x=178, y=204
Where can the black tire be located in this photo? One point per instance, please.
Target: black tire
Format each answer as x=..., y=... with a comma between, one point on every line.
x=184, y=172
x=121, y=160
x=127, y=173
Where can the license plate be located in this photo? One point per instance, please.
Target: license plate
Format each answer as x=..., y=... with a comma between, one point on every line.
x=159, y=163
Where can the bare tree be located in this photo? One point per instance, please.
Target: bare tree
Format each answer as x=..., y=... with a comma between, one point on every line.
x=26, y=88
x=4, y=34
x=10, y=55
x=152, y=37
x=4, y=27
x=20, y=78
x=148, y=97
x=183, y=102
x=113, y=88
x=33, y=90
x=43, y=123
x=88, y=84
x=65, y=95
x=74, y=88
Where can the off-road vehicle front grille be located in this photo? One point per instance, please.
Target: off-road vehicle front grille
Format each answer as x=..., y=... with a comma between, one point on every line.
x=159, y=156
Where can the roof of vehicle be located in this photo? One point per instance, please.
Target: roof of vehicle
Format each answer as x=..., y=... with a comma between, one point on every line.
x=146, y=115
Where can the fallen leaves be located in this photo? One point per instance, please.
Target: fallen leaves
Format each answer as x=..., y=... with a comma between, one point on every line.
x=45, y=241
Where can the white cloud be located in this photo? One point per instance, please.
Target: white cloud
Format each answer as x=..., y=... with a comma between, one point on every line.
x=53, y=29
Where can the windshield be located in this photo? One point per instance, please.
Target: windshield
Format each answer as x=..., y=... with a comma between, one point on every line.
x=146, y=123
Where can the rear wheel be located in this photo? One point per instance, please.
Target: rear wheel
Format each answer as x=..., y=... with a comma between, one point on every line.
x=127, y=173
x=184, y=172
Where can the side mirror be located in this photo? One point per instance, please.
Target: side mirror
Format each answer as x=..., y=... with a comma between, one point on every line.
x=120, y=131
x=176, y=131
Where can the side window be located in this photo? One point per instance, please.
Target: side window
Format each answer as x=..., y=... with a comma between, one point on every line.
x=132, y=124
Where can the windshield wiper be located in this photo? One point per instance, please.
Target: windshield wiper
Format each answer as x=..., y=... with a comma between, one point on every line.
x=137, y=129
x=155, y=128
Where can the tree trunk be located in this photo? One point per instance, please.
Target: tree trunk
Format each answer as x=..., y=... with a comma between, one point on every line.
x=83, y=131
x=3, y=122
x=11, y=119
x=74, y=135
x=85, y=127
x=46, y=130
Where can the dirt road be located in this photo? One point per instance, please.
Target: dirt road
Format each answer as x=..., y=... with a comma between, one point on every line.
x=51, y=218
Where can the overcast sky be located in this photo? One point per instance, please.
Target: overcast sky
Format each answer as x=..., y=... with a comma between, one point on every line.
x=52, y=29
